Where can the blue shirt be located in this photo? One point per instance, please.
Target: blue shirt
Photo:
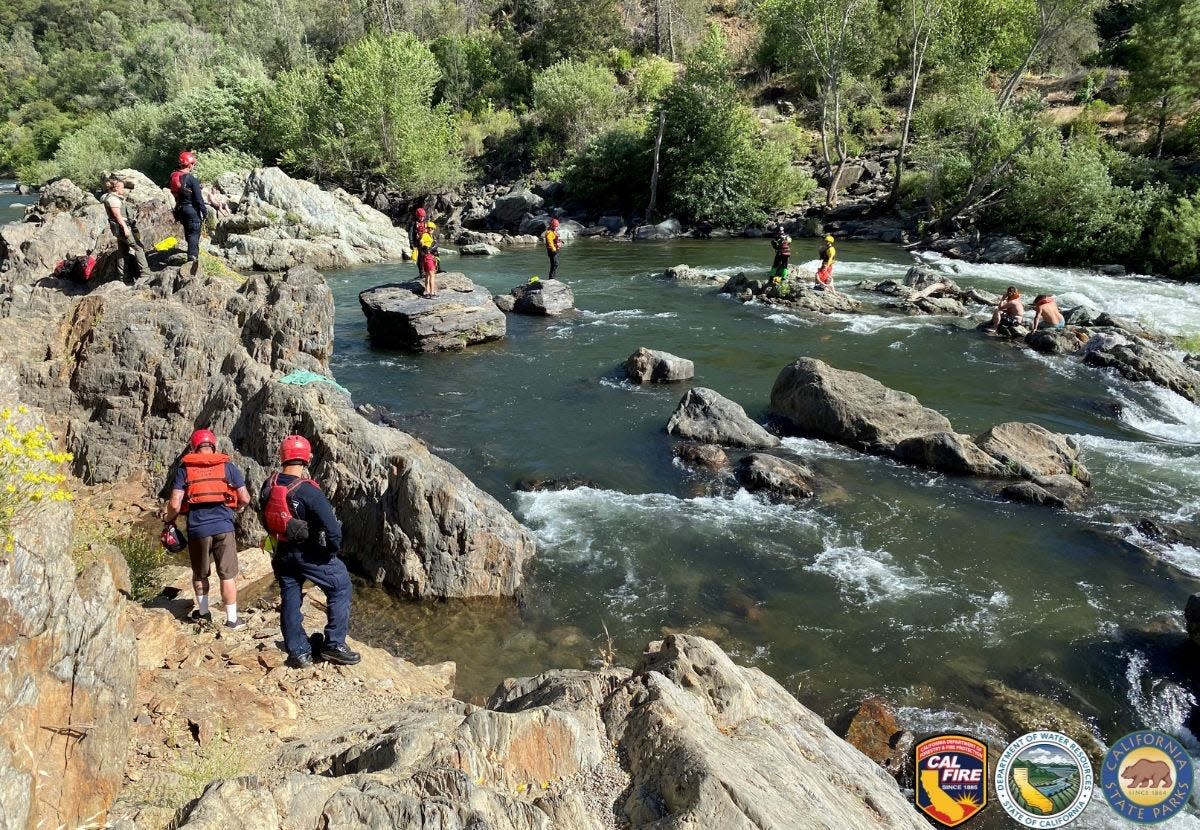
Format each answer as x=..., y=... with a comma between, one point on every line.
x=210, y=519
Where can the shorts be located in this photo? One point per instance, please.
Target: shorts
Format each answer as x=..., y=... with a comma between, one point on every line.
x=221, y=548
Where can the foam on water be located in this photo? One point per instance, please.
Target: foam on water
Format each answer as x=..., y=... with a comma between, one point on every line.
x=1167, y=306
x=1160, y=479
x=871, y=323
x=868, y=576
x=816, y=448
x=789, y=320
x=1149, y=408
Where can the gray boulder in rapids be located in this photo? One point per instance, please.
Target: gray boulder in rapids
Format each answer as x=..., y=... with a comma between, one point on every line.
x=652, y=366
x=461, y=315
x=706, y=416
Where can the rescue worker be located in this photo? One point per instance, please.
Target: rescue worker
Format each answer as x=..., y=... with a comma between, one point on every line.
x=190, y=210
x=827, y=254
x=310, y=555
x=124, y=228
x=782, y=244
x=208, y=487
x=415, y=229
x=554, y=244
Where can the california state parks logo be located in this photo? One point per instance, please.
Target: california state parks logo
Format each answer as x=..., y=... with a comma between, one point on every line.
x=951, y=773
x=1044, y=779
x=1147, y=777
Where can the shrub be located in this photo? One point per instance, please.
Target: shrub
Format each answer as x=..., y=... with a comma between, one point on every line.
x=202, y=119
x=576, y=101
x=1175, y=238
x=613, y=170
x=86, y=155
x=30, y=471
x=210, y=164
x=652, y=77
x=145, y=557
x=479, y=132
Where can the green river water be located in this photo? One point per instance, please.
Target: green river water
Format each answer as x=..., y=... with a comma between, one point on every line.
x=896, y=581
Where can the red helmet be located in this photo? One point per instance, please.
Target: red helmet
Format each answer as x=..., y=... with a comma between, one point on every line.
x=295, y=448
x=420, y=213
x=201, y=437
x=554, y=223
x=173, y=539
x=187, y=158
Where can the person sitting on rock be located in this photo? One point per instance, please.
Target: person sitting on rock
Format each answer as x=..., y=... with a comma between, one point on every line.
x=307, y=537
x=554, y=244
x=1046, y=313
x=124, y=228
x=782, y=244
x=208, y=487
x=827, y=254
x=1009, y=311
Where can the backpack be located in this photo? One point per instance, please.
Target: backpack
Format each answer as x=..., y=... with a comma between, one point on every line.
x=280, y=522
x=78, y=268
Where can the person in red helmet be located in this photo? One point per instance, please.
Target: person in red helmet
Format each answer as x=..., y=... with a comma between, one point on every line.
x=209, y=488
x=307, y=538
x=190, y=209
x=554, y=244
x=416, y=229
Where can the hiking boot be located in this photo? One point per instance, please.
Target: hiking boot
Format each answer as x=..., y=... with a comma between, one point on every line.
x=197, y=617
x=340, y=655
x=235, y=625
x=300, y=661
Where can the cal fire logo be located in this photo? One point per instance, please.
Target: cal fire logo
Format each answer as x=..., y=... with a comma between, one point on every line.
x=951, y=778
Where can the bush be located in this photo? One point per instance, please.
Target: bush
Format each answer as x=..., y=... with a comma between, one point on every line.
x=202, y=119
x=613, y=171
x=652, y=77
x=86, y=155
x=210, y=164
x=480, y=132
x=1175, y=238
x=576, y=101
x=145, y=557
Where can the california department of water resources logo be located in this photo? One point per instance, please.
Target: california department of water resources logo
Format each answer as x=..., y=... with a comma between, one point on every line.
x=1044, y=779
x=951, y=781
x=1147, y=777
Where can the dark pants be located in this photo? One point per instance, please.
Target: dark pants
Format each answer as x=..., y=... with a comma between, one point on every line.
x=331, y=576
x=780, y=266
x=186, y=215
x=128, y=249
x=553, y=265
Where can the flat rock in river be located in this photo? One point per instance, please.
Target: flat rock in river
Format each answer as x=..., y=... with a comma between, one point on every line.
x=461, y=315
x=706, y=416
x=546, y=298
x=778, y=479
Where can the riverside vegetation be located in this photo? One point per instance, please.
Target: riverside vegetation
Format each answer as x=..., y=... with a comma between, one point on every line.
x=1072, y=124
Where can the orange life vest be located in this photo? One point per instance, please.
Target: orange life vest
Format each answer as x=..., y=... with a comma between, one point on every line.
x=206, y=484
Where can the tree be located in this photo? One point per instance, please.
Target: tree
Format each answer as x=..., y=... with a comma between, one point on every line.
x=1165, y=63
x=575, y=101
x=1052, y=18
x=834, y=38
x=921, y=20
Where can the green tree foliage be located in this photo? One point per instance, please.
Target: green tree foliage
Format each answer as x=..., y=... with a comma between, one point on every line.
x=575, y=101
x=715, y=163
x=613, y=171
x=1061, y=197
x=1165, y=64
x=480, y=70
x=574, y=30
x=1174, y=244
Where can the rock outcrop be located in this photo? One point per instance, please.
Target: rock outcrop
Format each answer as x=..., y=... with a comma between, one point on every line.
x=702, y=743
x=856, y=410
x=132, y=372
x=778, y=479
x=479, y=249
x=461, y=315
x=688, y=274
x=283, y=222
x=795, y=294
x=1139, y=360
x=706, y=416
x=652, y=366
x=66, y=696
x=544, y=298
x=701, y=456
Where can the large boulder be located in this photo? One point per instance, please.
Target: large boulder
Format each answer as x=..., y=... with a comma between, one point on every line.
x=510, y=209
x=1057, y=341
x=1139, y=360
x=545, y=298
x=704, y=415
x=478, y=249
x=850, y=407
x=778, y=479
x=951, y=453
x=132, y=373
x=283, y=222
x=461, y=315
x=1031, y=451
x=668, y=229
x=652, y=366
x=686, y=273
x=796, y=294
x=689, y=739
x=1003, y=249
x=66, y=699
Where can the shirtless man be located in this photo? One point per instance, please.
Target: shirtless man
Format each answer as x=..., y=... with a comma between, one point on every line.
x=1009, y=310
x=1046, y=314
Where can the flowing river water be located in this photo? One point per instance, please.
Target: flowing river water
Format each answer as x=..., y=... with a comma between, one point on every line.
x=896, y=581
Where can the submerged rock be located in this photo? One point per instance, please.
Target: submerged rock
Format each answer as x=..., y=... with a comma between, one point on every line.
x=778, y=479
x=875, y=733
x=686, y=273
x=687, y=739
x=706, y=416
x=702, y=456
x=462, y=315
x=652, y=366
x=1023, y=712
x=479, y=249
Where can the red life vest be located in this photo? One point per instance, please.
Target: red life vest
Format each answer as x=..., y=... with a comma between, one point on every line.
x=205, y=483
x=277, y=514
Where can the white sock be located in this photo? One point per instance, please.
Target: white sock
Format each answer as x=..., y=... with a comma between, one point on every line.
x=202, y=602
x=231, y=611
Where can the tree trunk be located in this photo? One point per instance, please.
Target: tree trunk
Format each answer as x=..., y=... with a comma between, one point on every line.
x=662, y=123
x=978, y=188
x=831, y=197
x=1014, y=80
x=918, y=61
x=823, y=131
x=1164, y=104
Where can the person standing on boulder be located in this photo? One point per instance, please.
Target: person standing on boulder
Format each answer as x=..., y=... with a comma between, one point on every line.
x=827, y=254
x=208, y=487
x=307, y=538
x=416, y=229
x=782, y=243
x=124, y=228
x=554, y=244
x=190, y=209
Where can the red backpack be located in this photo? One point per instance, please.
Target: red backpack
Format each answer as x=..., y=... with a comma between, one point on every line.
x=278, y=516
